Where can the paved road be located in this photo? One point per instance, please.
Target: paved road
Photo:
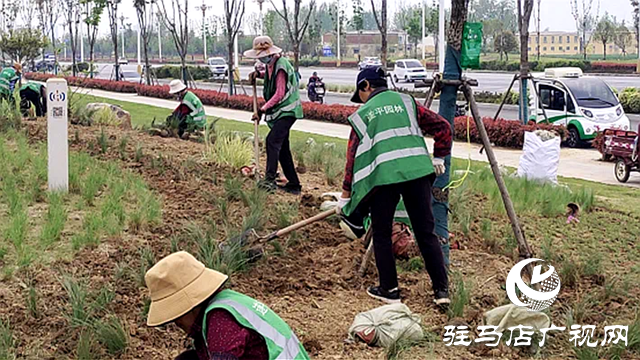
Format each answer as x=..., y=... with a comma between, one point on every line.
x=488, y=82
x=575, y=163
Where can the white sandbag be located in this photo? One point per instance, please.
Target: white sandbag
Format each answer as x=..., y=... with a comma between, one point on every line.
x=510, y=315
x=540, y=159
x=385, y=325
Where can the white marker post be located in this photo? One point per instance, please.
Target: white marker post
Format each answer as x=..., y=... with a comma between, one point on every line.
x=57, y=136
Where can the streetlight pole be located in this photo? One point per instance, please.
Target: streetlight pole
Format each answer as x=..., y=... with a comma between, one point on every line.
x=338, y=35
x=139, y=62
x=204, y=9
x=441, y=37
x=81, y=44
x=159, y=38
x=424, y=15
x=260, y=2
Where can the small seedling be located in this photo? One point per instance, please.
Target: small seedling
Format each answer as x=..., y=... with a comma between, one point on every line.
x=77, y=294
x=112, y=334
x=92, y=185
x=85, y=346
x=233, y=188
x=103, y=141
x=569, y=273
x=32, y=302
x=55, y=220
x=460, y=296
x=285, y=214
x=122, y=147
x=138, y=155
x=147, y=260
x=7, y=342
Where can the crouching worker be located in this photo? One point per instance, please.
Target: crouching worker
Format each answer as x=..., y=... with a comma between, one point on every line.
x=8, y=79
x=281, y=111
x=224, y=324
x=190, y=113
x=387, y=159
x=33, y=93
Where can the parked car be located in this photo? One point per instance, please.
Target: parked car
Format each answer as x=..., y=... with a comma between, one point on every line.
x=218, y=66
x=585, y=105
x=409, y=70
x=369, y=62
x=123, y=61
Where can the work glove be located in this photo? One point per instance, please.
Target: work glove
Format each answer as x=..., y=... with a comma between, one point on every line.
x=438, y=166
x=257, y=115
x=342, y=202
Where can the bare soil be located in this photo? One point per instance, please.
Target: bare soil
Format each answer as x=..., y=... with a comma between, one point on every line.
x=314, y=286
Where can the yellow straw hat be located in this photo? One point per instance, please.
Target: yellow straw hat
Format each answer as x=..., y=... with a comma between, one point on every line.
x=177, y=284
x=262, y=46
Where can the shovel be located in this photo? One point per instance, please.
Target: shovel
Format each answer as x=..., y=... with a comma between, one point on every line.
x=256, y=148
x=276, y=234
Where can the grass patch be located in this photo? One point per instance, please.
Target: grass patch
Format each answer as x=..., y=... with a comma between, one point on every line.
x=460, y=296
x=112, y=334
x=55, y=219
x=231, y=150
x=7, y=342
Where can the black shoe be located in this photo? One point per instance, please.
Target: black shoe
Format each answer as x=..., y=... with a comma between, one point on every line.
x=346, y=224
x=442, y=299
x=291, y=189
x=267, y=185
x=390, y=297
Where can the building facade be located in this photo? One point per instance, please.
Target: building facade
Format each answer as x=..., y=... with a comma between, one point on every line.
x=559, y=43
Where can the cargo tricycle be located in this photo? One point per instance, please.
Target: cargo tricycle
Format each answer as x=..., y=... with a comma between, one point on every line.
x=622, y=146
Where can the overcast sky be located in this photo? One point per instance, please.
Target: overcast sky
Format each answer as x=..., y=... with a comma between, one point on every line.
x=556, y=14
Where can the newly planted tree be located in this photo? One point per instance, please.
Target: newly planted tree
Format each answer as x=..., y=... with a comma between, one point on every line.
x=623, y=38
x=233, y=13
x=296, y=24
x=93, y=10
x=605, y=32
x=582, y=11
x=505, y=43
x=525, y=8
x=112, y=10
x=380, y=17
x=23, y=45
x=175, y=16
x=71, y=11
x=144, y=10
x=47, y=13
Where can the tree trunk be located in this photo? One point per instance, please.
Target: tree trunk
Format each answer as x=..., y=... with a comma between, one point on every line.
x=147, y=66
x=183, y=65
x=524, y=16
x=296, y=56
x=230, y=66
x=452, y=71
x=604, y=46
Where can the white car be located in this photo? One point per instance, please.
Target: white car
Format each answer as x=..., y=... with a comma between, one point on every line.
x=218, y=66
x=585, y=105
x=369, y=62
x=409, y=70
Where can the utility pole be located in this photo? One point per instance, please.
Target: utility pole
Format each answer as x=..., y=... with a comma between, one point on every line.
x=81, y=44
x=235, y=54
x=260, y=2
x=204, y=9
x=122, y=22
x=139, y=62
x=159, y=38
x=441, y=37
x=338, y=36
x=424, y=18
x=538, y=47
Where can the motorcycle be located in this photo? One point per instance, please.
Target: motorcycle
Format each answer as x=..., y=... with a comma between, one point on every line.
x=316, y=91
x=461, y=110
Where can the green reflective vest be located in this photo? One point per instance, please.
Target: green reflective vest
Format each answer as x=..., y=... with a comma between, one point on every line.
x=8, y=78
x=197, y=115
x=290, y=106
x=32, y=86
x=399, y=216
x=392, y=149
x=282, y=343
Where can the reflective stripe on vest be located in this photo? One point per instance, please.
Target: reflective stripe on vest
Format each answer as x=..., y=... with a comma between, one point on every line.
x=290, y=347
x=290, y=107
x=391, y=146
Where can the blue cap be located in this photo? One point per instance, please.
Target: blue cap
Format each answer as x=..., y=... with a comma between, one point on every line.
x=369, y=74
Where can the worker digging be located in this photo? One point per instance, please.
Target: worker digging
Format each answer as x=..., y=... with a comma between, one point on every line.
x=8, y=79
x=190, y=113
x=387, y=159
x=281, y=110
x=224, y=324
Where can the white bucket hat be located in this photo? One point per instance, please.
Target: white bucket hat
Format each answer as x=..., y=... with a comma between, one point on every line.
x=262, y=46
x=177, y=284
x=175, y=86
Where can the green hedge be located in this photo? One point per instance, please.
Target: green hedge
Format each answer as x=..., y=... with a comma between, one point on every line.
x=630, y=100
x=173, y=72
x=497, y=65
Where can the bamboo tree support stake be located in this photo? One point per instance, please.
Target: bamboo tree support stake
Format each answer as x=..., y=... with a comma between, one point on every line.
x=523, y=247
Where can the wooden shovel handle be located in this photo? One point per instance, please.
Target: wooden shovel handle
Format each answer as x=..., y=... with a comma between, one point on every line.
x=301, y=224
x=256, y=139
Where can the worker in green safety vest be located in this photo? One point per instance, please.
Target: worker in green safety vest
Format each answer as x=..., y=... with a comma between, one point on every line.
x=387, y=159
x=33, y=93
x=8, y=79
x=281, y=110
x=224, y=324
x=190, y=112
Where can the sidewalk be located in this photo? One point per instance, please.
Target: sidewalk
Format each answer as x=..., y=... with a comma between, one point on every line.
x=574, y=163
